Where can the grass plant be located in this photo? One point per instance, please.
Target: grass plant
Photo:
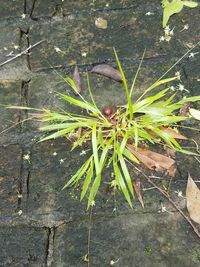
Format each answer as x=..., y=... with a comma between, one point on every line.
x=115, y=138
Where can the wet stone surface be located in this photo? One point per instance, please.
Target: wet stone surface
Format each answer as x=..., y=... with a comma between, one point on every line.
x=76, y=40
x=133, y=245
x=9, y=179
x=11, y=9
x=43, y=225
x=10, y=94
x=23, y=246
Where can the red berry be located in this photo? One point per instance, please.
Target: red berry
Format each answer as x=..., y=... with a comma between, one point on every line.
x=107, y=111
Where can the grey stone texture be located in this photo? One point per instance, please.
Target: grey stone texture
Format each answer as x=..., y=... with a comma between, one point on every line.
x=41, y=224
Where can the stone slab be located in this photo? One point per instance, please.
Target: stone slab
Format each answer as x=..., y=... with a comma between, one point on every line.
x=9, y=179
x=131, y=240
x=48, y=8
x=10, y=94
x=11, y=9
x=81, y=42
x=23, y=246
x=9, y=40
x=12, y=44
x=52, y=165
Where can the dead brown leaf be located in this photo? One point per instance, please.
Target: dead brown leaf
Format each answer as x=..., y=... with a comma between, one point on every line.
x=77, y=80
x=107, y=71
x=173, y=133
x=170, y=152
x=195, y=113
x=137, y=187
x=153, y=160
x=184, y=109
x=193, y=200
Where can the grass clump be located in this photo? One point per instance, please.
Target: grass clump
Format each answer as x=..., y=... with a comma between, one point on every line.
x=117, y=137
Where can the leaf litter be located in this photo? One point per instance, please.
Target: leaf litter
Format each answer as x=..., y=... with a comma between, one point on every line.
x=77, y=80
x=107, y=71
x=195, y=113
x=137, y=186
x=193, y=200
x=154, y=161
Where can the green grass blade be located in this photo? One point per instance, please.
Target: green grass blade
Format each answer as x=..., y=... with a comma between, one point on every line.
x=95, y=150
x=58, y=134
x=81, y=140
x=156, y=84
x=169, y=100
x=92, y=98
x=81, y=104
x=167, y=138
x=189, y=99
x=100, y=138
x=120, y=181
x=149, y=100
x=77, y=176
x=71, y=82
x=59, y=126
x=136, y=134
x=188, y=152
x=87, y=180
x=125, y=170
x=22, y=108
x=137, y=72
x=94, y=189
x=130, y=156
x=105, y=152
x=130, y=107
x=123, y=142
x=145, y=135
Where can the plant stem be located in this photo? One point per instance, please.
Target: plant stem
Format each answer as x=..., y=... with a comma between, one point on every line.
x=21, y=53
x=89, y=235
x=166, y=195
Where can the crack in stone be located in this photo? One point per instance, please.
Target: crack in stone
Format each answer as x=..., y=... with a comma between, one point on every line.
x=88, y=66
x=58, y=9
x=27, y=44
x=25, y=7
x=32, y=8
x=47, y=245
x=24, y=103
x=50, y=247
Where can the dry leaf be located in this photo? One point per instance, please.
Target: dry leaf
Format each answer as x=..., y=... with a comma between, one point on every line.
x=173, y=133
x=170, y=151
x=101, y=23
x=153, y=160
x=137, y=187
x=195, y=113
x=185, y=109
x=77, y=80
x=193, y=200
x=108, y=72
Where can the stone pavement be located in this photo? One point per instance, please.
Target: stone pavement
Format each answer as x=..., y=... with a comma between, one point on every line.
x=41, y=225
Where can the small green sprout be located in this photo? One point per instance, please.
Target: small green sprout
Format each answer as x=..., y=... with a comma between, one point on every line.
x=171, y=7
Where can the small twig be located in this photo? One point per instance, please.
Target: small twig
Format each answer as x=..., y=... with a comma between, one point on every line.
x=149, y=188
x=14, y=125
x=166, y=195
x=89, y=235
x=21, y=53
